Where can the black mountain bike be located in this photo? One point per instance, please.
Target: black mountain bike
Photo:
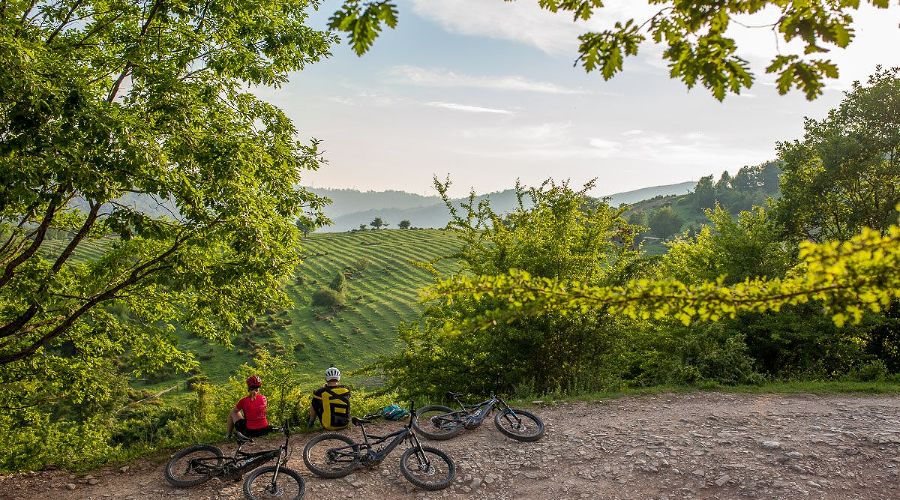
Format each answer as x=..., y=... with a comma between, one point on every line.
x=198, y=464
x=442, y=422
x=334, y=455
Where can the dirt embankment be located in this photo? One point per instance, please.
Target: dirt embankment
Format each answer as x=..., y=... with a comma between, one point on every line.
x=704, y=445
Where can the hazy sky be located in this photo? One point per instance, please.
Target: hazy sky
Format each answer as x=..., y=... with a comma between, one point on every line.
x=486, y=91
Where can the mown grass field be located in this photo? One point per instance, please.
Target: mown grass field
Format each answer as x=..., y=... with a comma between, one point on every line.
x=382, y=289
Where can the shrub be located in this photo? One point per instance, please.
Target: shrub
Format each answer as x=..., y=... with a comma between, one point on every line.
x=329, y=298
x=338, y=283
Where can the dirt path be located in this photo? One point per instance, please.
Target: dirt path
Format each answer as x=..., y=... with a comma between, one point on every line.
x=704, y=445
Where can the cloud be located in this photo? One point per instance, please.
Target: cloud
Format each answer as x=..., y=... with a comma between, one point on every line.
x=562, y=141
x=524, y=22
x=424, y=77
x=466, y=108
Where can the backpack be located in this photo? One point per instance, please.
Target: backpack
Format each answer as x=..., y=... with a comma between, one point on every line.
x=335, y=407
x=393, y=412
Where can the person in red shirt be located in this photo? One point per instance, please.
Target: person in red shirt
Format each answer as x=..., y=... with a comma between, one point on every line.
x=249, y=414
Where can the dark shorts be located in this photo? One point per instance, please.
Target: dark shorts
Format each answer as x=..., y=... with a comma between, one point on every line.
x=241, y=426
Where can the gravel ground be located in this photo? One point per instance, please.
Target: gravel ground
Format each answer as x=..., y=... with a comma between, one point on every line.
x=701, y=445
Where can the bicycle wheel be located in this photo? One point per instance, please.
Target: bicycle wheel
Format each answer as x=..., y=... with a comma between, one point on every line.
x=431, y=469
x=331, y=455
x=438, y=422
x=519, y=424
x=259, y=484
x=194, y=465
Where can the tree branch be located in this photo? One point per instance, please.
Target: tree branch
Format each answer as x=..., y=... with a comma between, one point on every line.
x=136, y=275
x=64, y=22
x=128, y=65
x=41, y=231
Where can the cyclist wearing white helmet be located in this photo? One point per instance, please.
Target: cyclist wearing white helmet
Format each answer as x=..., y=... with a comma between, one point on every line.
x=331, y=402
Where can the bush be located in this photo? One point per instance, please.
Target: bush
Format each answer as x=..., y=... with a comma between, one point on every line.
x=338, y=283
x=329, y=298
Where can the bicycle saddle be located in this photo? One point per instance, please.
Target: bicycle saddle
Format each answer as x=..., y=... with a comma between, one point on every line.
x=241, y=439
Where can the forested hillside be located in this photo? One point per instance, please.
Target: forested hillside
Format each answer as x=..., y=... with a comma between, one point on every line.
x=666, y=216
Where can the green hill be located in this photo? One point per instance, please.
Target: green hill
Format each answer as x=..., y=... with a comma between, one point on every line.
x=381, y=290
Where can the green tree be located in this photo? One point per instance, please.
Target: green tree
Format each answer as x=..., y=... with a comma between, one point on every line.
x=378, y=223
x=693, y=36
x=723, y=184
x=562, y=234
x=731, y=249
x=705, y=192
x=404, y=224
x=99, y=100
x=362, y=227
x=845, y=173
x=664, y=222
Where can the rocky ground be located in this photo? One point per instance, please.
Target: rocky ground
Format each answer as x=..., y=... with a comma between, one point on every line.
x=701, y=445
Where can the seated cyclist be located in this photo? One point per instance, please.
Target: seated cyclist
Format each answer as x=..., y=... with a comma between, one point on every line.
x=331, y=402
x=249, y=414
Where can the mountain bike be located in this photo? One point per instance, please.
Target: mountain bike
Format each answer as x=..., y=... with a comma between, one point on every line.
x=198, y=464
x=442, y=422
x=333, y=455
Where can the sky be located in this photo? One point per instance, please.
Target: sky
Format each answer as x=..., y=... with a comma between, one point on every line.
x=486, y=92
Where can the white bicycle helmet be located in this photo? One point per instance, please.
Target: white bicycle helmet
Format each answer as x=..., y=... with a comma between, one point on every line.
x=332, y=374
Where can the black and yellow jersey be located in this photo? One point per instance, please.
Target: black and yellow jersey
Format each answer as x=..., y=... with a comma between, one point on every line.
x=332, y=405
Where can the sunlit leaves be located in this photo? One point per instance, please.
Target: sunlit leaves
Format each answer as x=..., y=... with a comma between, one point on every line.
x=362, y=22
x=847, y=278
x=607, y=50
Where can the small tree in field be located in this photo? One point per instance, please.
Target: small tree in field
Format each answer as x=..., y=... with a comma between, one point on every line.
x=404, y=224
x=378, y=223
x=362, y=227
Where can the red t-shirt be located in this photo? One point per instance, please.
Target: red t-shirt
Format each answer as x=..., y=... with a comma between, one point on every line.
x=254, y=411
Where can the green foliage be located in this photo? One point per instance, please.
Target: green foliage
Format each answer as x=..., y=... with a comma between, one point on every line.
x=848, y=278
x=730, y=249
x=669, y=354
x=845, y=173
x=101, y=103
x=705, y=193
x=562, y=235
x=694, y=36
x=362, y=21
x=378, y=223
x=328, y=298
x=338, y=283
x=404, y=224
x=664, y=222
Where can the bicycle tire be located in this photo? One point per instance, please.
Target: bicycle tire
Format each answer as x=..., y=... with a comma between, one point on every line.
x=434, y=432
x=438, y=463
x=202, y=451
x=293, y=484
x=340, y=468
x=531, y=432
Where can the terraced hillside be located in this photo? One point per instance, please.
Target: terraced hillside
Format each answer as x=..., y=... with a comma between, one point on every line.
x=381, y=290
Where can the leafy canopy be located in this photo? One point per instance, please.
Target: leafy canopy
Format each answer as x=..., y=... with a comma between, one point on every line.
x=845, y=173
x=694, y=36
x=125, y=128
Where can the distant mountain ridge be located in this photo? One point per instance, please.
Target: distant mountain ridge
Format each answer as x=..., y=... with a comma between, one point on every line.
x=352, y=208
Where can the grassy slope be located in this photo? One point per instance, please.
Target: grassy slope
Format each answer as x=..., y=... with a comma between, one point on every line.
x=379, y=295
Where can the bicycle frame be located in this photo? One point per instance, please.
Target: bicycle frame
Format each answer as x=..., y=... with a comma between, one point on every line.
x=478, y=412
x=366, y=453
x=242, y=461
